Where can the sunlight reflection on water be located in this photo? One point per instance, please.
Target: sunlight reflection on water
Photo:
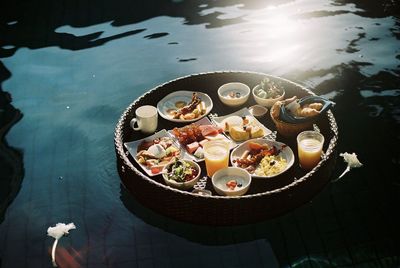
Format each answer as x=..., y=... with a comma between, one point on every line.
x=276, y=37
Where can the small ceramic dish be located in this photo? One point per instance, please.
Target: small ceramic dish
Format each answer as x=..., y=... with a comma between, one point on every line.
x=231, y=181
x=267, y=102
x=234, y=94
x=258, y=110
x=169, y=174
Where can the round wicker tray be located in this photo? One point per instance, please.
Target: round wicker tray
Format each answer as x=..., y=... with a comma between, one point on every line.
x=265, y=199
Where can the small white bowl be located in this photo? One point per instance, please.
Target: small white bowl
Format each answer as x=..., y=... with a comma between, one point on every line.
x=235, y=87
x=182, y=185
x=222, y=176
x=266, y=102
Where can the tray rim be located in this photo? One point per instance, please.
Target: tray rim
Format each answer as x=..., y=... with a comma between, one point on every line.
x=120, y=151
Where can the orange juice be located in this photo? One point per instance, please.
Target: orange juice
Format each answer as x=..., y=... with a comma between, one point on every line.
x=216, y=156
x=309, y=146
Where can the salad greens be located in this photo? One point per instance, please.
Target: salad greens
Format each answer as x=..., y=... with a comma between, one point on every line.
x=181, y=171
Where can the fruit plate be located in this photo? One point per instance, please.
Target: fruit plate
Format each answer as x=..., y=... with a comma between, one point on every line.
x=189, y=151
x=239, y=134
x=272, y=164
x=175, y=100
x=154, y=168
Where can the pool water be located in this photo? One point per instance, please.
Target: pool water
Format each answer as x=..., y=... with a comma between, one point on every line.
x=69, y=69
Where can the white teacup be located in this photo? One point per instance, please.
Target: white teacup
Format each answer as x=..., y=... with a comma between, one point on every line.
x=146, y=119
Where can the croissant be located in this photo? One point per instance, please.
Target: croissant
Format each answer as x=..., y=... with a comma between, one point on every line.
x=276, y=109
x=309, y=110
x=306, y=112
x=316, y=105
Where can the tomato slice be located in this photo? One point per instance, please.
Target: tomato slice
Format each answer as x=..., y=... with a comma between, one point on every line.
x=155, y=170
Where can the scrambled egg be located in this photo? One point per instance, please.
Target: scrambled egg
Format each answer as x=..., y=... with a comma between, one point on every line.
x=271, y=165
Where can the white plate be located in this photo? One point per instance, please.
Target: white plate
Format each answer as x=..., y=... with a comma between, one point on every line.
x=203, y=121
x=286, y=153
x=133, y=147
x=168, y=102
x=241, y=113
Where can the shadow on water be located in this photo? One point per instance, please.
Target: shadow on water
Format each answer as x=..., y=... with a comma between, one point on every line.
x=11, y=164
x=196, y=233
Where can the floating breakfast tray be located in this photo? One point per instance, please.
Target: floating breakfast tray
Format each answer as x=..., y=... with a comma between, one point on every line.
x=265, y=199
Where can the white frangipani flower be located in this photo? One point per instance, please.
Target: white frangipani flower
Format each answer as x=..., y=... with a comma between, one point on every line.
x=57, y=232
x=352, y=162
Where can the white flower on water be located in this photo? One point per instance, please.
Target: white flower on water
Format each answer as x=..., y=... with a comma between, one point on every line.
x=57, y=232
x=352, y=162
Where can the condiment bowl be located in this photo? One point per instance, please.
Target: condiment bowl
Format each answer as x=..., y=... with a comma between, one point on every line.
x=258, y=110
x=234, y=93
x=181, y=185
x=220, y=181
x=267, y=102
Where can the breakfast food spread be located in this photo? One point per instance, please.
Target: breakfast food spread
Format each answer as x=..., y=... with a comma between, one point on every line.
x=259, y=157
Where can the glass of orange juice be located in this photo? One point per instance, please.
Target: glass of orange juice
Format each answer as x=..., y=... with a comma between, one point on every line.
x=216, y=155
x=309, y=146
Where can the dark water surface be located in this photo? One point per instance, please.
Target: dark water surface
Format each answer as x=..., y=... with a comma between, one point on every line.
x=69, y=68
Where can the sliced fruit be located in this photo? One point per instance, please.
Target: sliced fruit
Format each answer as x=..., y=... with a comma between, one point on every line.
x=192, y=147
x=256, y=132
x=239, y=134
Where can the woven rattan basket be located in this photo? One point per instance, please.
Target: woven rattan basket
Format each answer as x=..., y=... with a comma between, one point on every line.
x=290, y=130
x=266, y=198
